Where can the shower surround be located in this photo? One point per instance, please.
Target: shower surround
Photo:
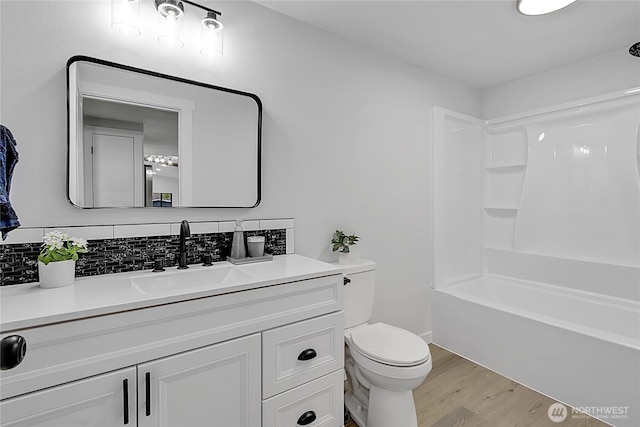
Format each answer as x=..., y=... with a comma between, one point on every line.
x=537, y=249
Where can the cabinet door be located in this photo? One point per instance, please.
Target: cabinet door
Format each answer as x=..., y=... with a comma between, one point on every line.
x=103, y=400
x=218, y=385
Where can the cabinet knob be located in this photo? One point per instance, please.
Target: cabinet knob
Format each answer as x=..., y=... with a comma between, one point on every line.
x=307, y=418
x=307, y=354
x=346, y=280
x=12, y=351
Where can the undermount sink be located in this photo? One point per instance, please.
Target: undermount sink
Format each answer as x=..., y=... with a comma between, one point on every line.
x=192, y=279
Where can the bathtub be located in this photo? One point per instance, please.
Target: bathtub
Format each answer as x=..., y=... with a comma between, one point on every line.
x=577, y=347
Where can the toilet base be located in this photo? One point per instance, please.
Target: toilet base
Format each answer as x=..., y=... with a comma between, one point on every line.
x=386, y=408
x=357, y=412
x=391, y=408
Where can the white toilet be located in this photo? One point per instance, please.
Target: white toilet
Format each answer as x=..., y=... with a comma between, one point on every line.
x=384, y=363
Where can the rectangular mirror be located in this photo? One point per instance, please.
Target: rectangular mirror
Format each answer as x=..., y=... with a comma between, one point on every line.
x=138, y=138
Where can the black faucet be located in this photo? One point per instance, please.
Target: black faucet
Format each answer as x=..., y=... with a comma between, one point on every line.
x=182, y=253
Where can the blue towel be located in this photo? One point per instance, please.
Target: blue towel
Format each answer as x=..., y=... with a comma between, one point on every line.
x=8, y=159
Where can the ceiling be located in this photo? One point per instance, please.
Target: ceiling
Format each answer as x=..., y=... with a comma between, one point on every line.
x=479, y=42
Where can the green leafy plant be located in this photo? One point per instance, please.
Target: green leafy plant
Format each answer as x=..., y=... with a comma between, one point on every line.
x=341, y=241
x=59, y=246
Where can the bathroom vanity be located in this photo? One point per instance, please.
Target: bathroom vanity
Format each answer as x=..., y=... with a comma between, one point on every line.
x=259, y=344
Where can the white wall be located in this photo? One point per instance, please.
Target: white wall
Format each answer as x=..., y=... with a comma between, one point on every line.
x=346, y=131
x=613, y=71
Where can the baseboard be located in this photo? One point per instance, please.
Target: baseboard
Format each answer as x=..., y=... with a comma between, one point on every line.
x=427, y=337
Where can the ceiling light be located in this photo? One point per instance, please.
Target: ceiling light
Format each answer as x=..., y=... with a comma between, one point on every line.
x=541, y=7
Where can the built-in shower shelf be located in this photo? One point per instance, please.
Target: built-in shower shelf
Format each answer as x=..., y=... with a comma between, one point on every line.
x=515, y=167
x=503, y=248
x=501, y=208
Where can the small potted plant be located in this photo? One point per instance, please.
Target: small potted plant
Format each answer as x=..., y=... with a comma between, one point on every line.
x=57, y=259
x=341, y=243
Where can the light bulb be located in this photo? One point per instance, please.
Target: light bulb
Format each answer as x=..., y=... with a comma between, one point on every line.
x=125, y=16
x=211, y=38
x=171, y=12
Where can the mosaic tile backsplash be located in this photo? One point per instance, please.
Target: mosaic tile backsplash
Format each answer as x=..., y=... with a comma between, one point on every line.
x=19, y=261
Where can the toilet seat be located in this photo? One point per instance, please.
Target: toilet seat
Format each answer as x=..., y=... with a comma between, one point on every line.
x=390, y=345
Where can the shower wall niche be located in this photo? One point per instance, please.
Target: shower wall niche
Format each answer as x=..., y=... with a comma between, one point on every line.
x=505, y=160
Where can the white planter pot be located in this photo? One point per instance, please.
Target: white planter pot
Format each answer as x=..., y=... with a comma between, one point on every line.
x=57, y=274
x=344, y=257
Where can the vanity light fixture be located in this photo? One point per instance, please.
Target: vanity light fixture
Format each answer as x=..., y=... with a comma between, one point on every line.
x=161, y=159
x=541, y=7
x=171, y=13
x=125, y=17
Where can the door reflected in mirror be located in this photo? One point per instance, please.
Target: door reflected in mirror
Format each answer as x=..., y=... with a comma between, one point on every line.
x=142, y=139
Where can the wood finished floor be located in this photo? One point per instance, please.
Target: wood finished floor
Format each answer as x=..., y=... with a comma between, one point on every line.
x=458, y=392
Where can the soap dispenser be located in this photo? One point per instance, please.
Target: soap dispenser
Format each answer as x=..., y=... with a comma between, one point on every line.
x=238, y=249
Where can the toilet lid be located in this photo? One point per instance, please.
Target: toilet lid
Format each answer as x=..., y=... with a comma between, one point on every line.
x=390, y=345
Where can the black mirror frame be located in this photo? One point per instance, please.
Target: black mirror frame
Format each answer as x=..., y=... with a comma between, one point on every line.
x=79, y=58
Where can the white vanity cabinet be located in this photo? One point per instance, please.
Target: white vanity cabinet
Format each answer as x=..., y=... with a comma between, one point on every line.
x=266, y=355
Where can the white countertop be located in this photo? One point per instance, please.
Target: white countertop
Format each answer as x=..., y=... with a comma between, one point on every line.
x=26, y=306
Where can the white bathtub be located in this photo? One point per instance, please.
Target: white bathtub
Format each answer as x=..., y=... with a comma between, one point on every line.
x=580, y=348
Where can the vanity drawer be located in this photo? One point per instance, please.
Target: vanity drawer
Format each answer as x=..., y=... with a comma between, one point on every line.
x=319, y=400
x=301, y=352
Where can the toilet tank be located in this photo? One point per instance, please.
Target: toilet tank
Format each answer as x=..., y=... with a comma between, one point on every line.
x=359, y=292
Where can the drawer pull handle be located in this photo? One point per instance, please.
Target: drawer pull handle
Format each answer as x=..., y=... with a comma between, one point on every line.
x=14, y=348
x=307, y=418
x=346, y=280
x=147, y=380
x=125, y=397
x=308, y=354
